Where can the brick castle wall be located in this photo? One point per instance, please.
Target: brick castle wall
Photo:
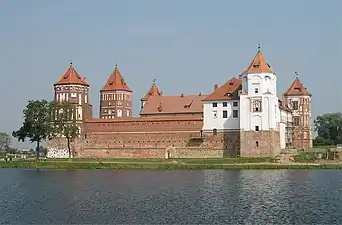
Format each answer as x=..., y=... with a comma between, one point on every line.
x=157, y=137
x=261, y=143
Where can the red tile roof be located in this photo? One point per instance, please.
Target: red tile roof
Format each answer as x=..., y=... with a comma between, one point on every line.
x=116, y=82
x=228, y=91
x=297, y=88
x=258, y=65
x=71, y=76
x=154, y=91
x=142, y=119
x=173, y=104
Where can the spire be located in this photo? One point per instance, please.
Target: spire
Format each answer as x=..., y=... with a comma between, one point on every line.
x=296, y=75
x=154, y=91
x=297, y=88
x=258, y=64
x=71, y=76
x=116, y=82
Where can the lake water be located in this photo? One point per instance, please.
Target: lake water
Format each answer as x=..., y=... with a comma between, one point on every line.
x=170, y=197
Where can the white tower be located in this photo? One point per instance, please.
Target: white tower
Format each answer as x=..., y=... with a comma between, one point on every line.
x=259, y=102
x=259, y=110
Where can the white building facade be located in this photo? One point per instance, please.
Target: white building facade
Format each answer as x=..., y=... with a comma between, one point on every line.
x=250, y=105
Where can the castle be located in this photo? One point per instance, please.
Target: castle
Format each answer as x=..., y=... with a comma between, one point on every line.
x=243, y=117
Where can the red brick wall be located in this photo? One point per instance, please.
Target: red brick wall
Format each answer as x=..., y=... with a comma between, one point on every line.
x=155, y=144
x=260, y=143
x=144, y=124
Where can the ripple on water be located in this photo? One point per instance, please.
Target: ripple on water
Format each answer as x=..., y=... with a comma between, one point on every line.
x=170, y=197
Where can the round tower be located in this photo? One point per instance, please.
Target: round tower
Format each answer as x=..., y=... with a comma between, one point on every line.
x=115, y=97
x=72, y=87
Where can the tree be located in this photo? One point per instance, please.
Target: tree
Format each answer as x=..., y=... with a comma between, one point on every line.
x=37, y=125
x=65, y=123
x=5, y=141
x=329, y=129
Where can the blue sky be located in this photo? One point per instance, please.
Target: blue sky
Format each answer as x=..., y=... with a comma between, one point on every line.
x=187, y=45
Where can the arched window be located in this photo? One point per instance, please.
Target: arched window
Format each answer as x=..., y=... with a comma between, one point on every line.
x=214, y=131
x=257, y=106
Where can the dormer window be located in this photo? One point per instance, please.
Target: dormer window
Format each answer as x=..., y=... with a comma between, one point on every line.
x=255, y=66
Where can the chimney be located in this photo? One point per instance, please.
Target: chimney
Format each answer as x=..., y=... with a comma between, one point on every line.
x=200, y=94
x=182, y=95
x=161, y=93
x=215, y=87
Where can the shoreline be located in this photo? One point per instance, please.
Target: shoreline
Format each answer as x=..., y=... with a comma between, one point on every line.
x=136, y=165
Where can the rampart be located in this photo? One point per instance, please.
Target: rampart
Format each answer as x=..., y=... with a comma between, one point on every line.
x=172, y=137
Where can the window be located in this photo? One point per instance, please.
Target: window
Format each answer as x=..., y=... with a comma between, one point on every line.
x=235, y=113
x=127, y=113
x=295, y=105
x=235, y=104
x=224, y=104
x=296, y=121
x=214, y=104
x=214, y=114
x=119, y=113
x=256, y=90
x=257, y=106
x=257, y=144
x=214, y=131
x=225, y=114
x=256, y=128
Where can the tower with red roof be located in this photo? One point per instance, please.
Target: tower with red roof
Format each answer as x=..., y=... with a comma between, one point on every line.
x=74, y=88
x=115, y=97
x=259, y=109
x=298, y=98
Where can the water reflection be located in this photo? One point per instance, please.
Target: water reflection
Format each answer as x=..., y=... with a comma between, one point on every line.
x=170, y=197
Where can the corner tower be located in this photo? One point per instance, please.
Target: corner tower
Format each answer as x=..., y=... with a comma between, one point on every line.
x=72, y=87
x=298, y=98
x=259, y=109
x=115, y=97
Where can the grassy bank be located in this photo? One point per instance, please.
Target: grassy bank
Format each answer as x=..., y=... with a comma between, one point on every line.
x=160, y=165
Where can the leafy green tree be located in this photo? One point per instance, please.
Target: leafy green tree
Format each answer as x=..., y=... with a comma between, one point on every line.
x=329, y=129
x=37, y=125
x=65, y=123
x=5, y=141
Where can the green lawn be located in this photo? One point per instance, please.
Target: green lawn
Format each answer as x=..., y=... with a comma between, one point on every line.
x=156, y=166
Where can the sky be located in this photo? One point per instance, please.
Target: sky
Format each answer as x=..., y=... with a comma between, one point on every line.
x=186, y=45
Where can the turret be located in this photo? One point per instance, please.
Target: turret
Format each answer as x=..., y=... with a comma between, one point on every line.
x=72, y=87
x=259, y=110
x=298, y=98
x=115, y=97
x=259, y=101
x=154, y=91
